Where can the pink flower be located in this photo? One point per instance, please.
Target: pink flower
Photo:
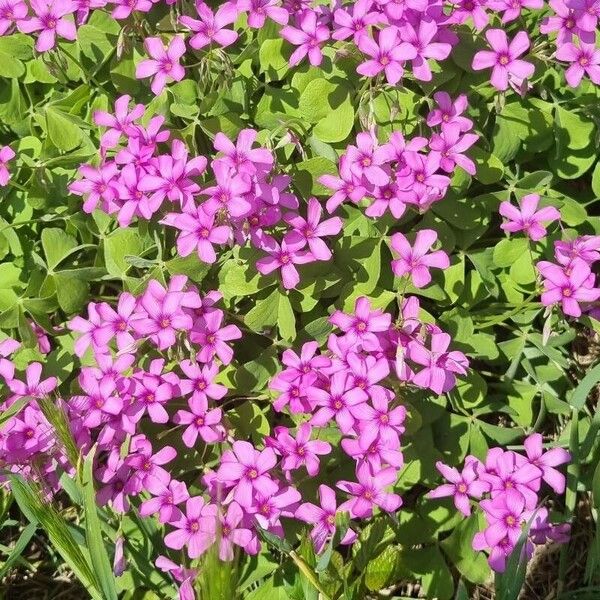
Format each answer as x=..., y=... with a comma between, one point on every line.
x=259, y=10
x=367, y=159
x=370, y=492
x=474, y=9
x=99, y=402
x=196, y=529
x=340, y=401
x=231, y=533
x=308, y=38
x=147, y=465
x=230, y=191
x=420, y=39
x=322, y=518
x=118, y=324
x=417, y=260
x=247, y=470
x=50, y=20
x=546, y=461
x=347, y=186
x=563, y=22
x=198, y=232
x=164, y=64
x=121, y=123
x=7, y=368
x=450, y=146
x=201, y=422
x=586, y=247
x=241, y=157
x=355, y=23
x=165, y=500
x=528, y=219
x=211, y=26
x=124, y=8
x=512, y=8
x=363, y=324
x=33, y=386
x=97, y=184
x=6, y=154
x=448, y=111
x=209, y=333
x=200, y=382
x=440, y=365
x=503, y=58
x=388, y=54
x=311, y=230
x=283, y=256
x=460, y=486
x=165, y=318
x=301, y=450
x=584, y=59
x=568, y=286
x=11, y=12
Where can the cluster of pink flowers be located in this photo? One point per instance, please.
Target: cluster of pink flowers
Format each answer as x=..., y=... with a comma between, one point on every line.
x=399, y=174
x=570, y=281
x=130, y=383
x=246, y=202
x=511, y=484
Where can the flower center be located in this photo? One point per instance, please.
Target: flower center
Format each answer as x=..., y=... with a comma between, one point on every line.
x=199, y=421
x=204, y=232
x=420, y=177
x=462, y=488
x=330, y=519
x=164, y=323
x=567, y=292
x=285, y=259
x=503, y=59
x=252, y=473
x=194, y=526
x=584, y=61
x=510, y=521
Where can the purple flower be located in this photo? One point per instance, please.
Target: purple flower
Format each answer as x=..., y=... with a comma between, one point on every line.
x=420, y=39
x=124, y=8
x=417, y=260
x=200, y=382
x=363, y=324
x=347, y=186
x=448, y=111
x=33, y=386
x=241, y=157
x=370, y=492
x=97, y=183
x=528, y=218
x=564, y=22
x=322, y=518
x=11, y=12
x=301, y=450
x=147, y=466
x=355, y=23
x=503, y=58
x=163, y=64
x=512, y=8
x=229, y=192
x=212, y=337
x=308, y=38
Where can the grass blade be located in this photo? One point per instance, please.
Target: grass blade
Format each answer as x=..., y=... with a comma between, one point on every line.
x=36, y=509
x=93, y=532
x=19, y=547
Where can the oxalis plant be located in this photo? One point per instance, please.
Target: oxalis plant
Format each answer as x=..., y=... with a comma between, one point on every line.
x=298, y=299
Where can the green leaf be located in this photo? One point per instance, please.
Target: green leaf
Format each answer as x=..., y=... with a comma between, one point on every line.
x=584, y=387
x=308, y=172
x=119, y=245
x=509, y=250
x=596, y=180
x=385, y=569
x=13, y=409
x=93, y=531
x=71, y=292
x=286, y=321
x=472, y=565
x=63, y=133
x=489, y=167
x=57, y=246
